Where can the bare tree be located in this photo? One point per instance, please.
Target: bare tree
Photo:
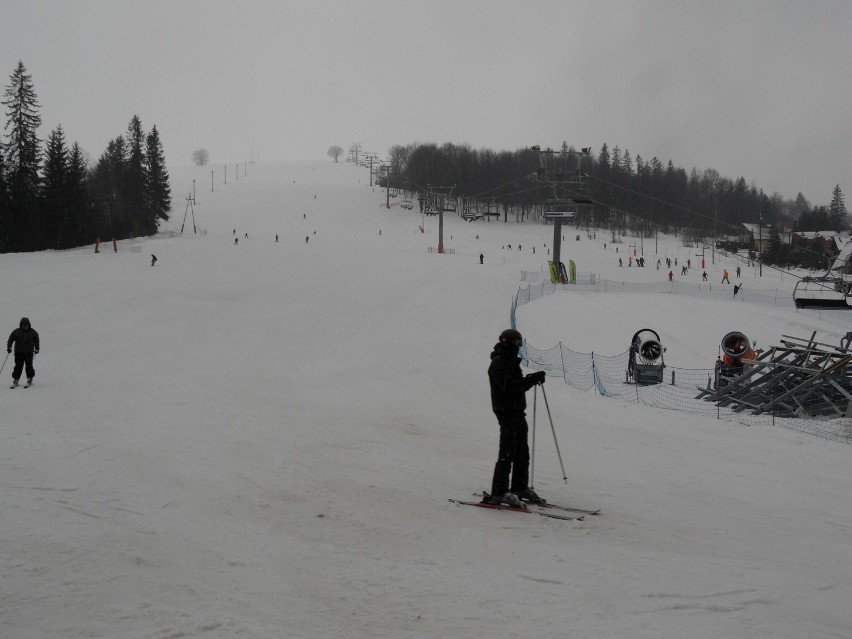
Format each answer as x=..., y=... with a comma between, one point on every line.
x=200, y=157
x=334, y=152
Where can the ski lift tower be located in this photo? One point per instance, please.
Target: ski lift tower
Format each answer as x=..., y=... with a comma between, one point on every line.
x=562, y=172
x=440, y=196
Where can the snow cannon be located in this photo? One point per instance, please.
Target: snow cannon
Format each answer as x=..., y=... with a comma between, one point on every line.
x=645, y=364
x=736, y=350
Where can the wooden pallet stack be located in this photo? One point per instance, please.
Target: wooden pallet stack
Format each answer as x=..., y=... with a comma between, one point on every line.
x=799, y=378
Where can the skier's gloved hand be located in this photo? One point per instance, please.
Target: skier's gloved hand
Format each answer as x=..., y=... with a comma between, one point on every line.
x=536, y=378
x=35, y=352
x=8, y=350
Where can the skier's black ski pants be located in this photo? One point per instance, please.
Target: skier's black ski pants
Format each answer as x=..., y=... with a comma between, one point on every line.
x=514, y=455
x=21, y=360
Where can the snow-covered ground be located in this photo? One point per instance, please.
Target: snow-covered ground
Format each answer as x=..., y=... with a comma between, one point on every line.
x=259, y=440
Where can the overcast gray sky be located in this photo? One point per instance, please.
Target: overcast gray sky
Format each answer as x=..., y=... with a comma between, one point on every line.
x=759, y=89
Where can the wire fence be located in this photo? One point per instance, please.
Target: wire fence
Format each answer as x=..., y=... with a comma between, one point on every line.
x=679, y=390
x=589, y=282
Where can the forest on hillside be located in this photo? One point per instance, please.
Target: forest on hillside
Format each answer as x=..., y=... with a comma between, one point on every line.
x=52, y=197
x=622, y=192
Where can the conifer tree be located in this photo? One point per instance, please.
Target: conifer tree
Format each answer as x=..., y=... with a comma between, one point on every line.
x=106, y=182
x=627, y=162
x=22, y=146
x=159, y=191
x=79, y=229
x=837, y=208
x=5, y=209
x=55, y=165
x=53, y=209
x=604, y=159
x=135, y=190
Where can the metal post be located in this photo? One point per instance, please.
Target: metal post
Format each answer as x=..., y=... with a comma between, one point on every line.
x=558, y=454
x=441, y=224
x=532, y=452
x=557, y=241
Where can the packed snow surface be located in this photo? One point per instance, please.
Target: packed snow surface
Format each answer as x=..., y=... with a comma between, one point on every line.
x=259, y=439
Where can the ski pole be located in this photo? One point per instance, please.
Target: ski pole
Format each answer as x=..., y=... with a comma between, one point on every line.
x=558, y=454
x=4, y=363
x=532, y=456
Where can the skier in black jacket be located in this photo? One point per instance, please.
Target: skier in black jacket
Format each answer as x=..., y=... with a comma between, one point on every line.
x=26, y=343
x=508, y=400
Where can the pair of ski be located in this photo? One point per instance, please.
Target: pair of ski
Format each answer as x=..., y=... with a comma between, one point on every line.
x=543, y=509
x=19, y=386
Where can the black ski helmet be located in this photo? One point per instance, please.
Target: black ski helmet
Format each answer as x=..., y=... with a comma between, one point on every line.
x=512, y=337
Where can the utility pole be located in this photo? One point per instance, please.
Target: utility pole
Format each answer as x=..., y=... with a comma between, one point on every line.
x=371, y=157
x=386, y=168
x=441, y=224
x=354, y=151
x=702, y=254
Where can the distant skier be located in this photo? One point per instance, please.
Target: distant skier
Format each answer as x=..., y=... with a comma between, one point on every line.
x=153, y=259
x=738, y=270
x=737, y=288
x=26, y=343
x=671, y=276
x=307, y=237
x=508, y=401
x=481, y=258
x=704, y=276
x=236, y=241
x=276, y=237
x=725, y=277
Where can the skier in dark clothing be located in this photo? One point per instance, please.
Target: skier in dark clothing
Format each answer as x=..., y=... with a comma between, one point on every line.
x=26, y=343
x=508, y=400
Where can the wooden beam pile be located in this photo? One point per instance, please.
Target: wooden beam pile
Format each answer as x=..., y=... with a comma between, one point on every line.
x=799, y=378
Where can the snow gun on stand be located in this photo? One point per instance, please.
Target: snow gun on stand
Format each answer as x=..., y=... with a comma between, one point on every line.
x=645, y=364
x=737, y=351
